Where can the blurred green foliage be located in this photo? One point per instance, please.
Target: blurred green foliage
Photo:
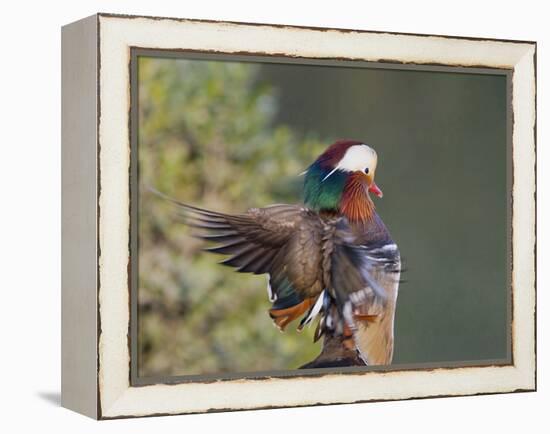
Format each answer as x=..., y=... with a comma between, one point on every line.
x=206, y=137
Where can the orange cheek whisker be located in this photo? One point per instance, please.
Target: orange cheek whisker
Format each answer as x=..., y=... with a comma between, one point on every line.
x=356, y=204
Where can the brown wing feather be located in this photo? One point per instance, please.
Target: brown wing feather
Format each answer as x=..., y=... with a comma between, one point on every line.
x=293, y=243
x=282, y=240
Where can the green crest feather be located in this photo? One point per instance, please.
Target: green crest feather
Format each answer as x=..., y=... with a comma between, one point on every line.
x=322, y=193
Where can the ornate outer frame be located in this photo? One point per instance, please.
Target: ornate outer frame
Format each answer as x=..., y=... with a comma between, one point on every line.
x=96, y=352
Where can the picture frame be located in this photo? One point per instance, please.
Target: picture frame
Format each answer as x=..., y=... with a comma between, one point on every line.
x=99, y=241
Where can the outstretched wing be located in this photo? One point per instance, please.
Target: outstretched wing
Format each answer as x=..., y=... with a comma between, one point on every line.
x=283, y=241
x=308, y=259
x=252, y=240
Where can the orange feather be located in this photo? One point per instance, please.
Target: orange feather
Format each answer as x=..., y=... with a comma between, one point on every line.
x=356, y=203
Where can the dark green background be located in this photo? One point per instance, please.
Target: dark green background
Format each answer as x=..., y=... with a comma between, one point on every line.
x=441, y=139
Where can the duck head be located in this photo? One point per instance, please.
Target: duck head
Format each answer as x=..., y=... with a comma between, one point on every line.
x=340, y=180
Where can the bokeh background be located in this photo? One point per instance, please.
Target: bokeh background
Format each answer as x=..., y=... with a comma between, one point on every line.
x=232, y=135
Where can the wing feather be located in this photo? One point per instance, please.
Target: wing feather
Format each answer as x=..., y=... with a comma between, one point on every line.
x=307, y=257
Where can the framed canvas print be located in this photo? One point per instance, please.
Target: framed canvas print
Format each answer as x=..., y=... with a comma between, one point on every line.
x=260, y=216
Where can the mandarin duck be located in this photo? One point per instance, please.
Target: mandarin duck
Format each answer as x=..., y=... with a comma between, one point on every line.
x=330, y=259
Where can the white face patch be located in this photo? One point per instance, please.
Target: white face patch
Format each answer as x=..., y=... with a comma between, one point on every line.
x=357, y=158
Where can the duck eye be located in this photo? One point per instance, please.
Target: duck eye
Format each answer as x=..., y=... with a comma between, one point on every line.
x=367, y=170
